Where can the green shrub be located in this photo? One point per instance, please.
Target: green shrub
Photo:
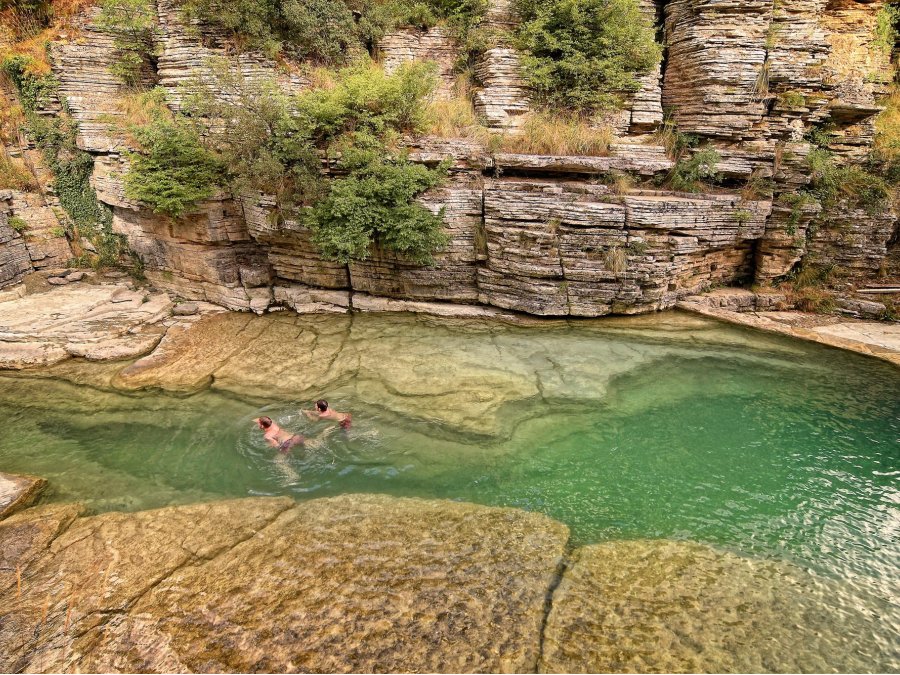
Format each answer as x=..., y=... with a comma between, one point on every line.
x=354, y=121
x=256, y=134
x=258, y=138
x=174, y=171
x=34, y=91
x=364, y=98
x=321, y=30
x=792, y=99
x=374, y=204
x=582, y=54
x=325, y=31
x=831, y=184
x=887, y=28
x=691, y=173
x=255, y=21
x=17, y=224
x=133, y=27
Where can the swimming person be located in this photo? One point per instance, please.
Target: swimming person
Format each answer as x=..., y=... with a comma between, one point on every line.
x=323, y=412
x=285, y=440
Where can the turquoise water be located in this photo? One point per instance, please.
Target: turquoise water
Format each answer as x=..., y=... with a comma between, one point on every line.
x=704, y=432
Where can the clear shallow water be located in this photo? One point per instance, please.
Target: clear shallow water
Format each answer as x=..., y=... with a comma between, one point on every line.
x=705, y=432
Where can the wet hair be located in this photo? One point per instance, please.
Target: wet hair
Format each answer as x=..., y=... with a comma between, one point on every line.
x=322, y=405
x=265, y=422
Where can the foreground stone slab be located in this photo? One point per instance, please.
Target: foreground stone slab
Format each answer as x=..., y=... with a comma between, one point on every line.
x=349, y=584
x=17, y=492
x=666, y=606
x=98, y=322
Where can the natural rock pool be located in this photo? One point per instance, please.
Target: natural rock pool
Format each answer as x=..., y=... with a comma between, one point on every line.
x=669, y=427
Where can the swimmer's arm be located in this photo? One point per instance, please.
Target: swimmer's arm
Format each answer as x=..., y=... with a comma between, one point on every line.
x=273, y=442
x=311, y=414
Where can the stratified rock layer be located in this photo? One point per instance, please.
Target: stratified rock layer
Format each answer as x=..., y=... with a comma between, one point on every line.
x=548, y=234
x=350, y=584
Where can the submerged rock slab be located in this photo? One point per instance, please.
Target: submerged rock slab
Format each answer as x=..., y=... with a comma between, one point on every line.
x=98, y=322
x=665, y=606
x=17, y=492
x=353, y=583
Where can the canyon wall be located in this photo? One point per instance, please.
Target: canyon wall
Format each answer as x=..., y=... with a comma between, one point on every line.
x=546, y=235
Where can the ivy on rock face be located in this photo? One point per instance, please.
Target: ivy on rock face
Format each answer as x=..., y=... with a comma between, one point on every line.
x=71, y=167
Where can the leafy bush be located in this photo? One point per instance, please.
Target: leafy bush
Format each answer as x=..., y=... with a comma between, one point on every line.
x=321, y=30
x=325, y=31
x=690, y=174
x=133, y=26
x=582, y=54
x=174, y=171
x=887, y=28
x=830, y=183
x=258, y=138
x=364, y=98
x=375, y=203
x=255, y=133
x=354, y=121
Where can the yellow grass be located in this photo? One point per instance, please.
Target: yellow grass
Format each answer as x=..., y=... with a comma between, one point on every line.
x=455, y=117
x=554, y=134
x=22, y=36
x=887, y=127
x=14, y=175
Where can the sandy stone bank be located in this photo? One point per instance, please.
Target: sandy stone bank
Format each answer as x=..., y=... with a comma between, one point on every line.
x=96, y=322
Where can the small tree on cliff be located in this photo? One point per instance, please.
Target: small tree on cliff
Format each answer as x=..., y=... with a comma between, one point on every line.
x=133, y=27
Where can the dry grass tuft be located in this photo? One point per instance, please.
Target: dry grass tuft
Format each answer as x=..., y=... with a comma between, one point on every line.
x=547, y=133
x=14, y=175
x=24, y=34
x=455, y=117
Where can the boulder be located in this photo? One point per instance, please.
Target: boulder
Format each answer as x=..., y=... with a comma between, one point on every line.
x=185, y=309
x=17, y=492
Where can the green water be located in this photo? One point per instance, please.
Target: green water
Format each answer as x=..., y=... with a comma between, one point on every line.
x=699, y=431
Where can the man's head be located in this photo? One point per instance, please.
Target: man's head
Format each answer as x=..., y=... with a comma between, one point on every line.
x=322, y=405
x=263, y=422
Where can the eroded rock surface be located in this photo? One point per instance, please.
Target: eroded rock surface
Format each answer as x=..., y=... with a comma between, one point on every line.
x=664, y=606
x=349, y=584
x=17, y=492
x=97, y=322
x=464, y=373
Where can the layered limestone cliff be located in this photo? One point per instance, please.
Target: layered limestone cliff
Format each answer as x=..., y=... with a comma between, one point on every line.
x=547, y=235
